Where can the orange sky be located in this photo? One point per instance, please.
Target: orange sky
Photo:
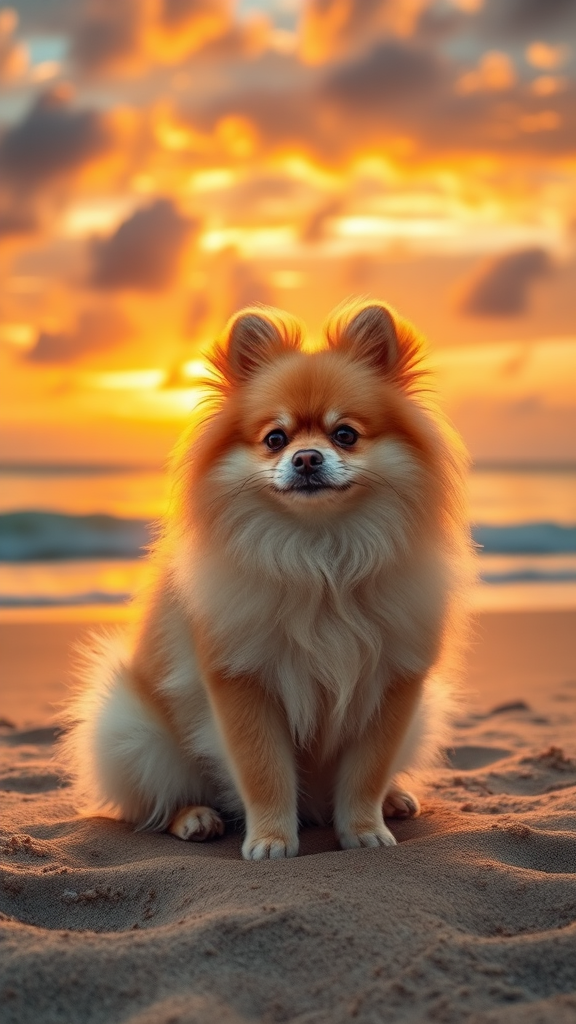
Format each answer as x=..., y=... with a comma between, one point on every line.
x=163, y=162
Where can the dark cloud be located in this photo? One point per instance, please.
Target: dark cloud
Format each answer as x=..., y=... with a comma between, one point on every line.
x=436, y=24
x=38, y=16
x=502, y=286
x=528, y=19
x=315, y=226
x=391, y=73
x=410, y=90
x=98, y=329
x=107, y=34
x=181, y=12
x=17, y=222
x=499, y=23
x=52, y=141
x=144, y=251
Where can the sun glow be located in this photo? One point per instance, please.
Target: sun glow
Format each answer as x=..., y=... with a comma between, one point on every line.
x=126, y=380
x=99, y=216
x=211, y=157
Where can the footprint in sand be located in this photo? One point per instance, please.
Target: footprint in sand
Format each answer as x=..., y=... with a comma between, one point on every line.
x=32, y=737
x=31, y=782
x=468, y=758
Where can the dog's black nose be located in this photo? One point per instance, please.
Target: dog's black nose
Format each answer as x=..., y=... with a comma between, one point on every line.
x=307, y=460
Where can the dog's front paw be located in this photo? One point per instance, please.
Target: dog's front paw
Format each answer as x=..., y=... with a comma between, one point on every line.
x=354, y=838
x=270, y=847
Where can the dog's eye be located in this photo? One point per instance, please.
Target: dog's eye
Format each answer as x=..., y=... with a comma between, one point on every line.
x=276, y=440
x=345, y=436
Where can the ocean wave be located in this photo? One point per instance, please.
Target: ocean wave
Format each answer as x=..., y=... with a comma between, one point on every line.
x=92, y=597
x=529, y=575
x=526, y=539
x=36, y=536
x=32, y=536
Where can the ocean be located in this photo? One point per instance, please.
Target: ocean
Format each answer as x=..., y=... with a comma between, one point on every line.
x=73, y=536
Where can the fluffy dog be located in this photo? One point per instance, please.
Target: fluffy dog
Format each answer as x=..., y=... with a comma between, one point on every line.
x=301, y=596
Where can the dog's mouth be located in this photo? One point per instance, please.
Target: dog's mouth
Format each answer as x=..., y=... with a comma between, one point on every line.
x=311, y=487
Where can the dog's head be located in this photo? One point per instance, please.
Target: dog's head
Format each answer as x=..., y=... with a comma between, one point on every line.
x=337, y=443
x=314, y=432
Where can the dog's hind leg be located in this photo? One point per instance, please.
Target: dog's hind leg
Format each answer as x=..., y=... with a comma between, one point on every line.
x=400, y=803
x=196, y=823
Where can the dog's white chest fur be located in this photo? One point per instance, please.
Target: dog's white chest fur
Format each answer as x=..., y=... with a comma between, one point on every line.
x=320, y=646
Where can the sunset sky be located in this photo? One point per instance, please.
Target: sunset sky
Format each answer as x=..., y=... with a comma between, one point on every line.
x=164, y=162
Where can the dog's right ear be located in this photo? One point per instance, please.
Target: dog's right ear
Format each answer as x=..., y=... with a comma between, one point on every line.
x=254, y=337
x=368, y=331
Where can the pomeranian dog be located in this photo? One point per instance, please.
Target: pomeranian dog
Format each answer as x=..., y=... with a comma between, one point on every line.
x=302, y=593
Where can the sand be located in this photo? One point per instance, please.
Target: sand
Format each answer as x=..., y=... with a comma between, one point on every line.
x=472, y=917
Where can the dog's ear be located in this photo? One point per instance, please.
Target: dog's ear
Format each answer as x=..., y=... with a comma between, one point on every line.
x=372, y=333
x=254, y=337
x=366, y=330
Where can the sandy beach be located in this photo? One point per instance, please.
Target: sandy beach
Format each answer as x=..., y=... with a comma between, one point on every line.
x=472, y=917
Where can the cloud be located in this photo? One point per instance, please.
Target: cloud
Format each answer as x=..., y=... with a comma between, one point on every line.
x=525, y=19
x=124, y=36
x=332, y=111
x=13, y=54
x=314, y=228
x=145, y=250
x=398, y=90
x=545, y=57
x=498, y=21
x=331, y=28
x=502, y=286
x=438, y=24
x=213, y=15
x=402, y=89
x=39, y=16
x=17, y=222
x=51, y=142
x=97, y=329
x=107, y=34
x=391, y=73
x=495, y=72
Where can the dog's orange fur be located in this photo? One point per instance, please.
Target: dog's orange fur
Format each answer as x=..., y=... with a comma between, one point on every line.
x=282, y=657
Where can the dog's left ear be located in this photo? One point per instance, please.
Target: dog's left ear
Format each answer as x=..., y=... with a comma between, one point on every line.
x=372, y=333
x=368, y=330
